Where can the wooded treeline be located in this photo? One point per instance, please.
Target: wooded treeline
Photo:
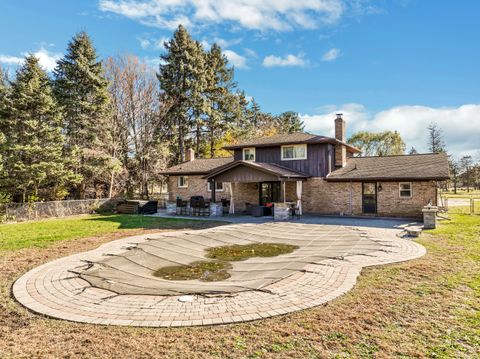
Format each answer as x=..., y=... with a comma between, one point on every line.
x=99, y=128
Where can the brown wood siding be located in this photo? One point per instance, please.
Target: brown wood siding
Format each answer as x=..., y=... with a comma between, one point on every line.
x=245, y=174
x=317, y=163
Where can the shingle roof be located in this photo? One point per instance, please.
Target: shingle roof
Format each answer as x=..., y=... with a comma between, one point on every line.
x=292, y=138
x=432, y=166
x=199, y=166
x=277, y=170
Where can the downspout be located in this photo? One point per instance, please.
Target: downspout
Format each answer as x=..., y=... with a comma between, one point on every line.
x=350, y=204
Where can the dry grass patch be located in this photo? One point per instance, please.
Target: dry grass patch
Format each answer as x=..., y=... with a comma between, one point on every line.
x=423, y=308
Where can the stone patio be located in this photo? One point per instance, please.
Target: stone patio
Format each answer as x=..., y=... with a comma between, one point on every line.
x=57, y=289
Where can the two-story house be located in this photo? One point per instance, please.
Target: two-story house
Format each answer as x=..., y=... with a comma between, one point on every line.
x=321, y=174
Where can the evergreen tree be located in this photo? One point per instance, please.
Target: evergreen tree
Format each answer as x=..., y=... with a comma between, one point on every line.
x=289, y=122
x=182, y=78
x=224, y=105
x=81, y=91
x=34, y=163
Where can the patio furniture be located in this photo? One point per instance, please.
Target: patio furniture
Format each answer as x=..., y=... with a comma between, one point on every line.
x=199, y=206
x=225, y=206
x=294, y=211
x=257, y=211
x=137, y=207
x=181, y=206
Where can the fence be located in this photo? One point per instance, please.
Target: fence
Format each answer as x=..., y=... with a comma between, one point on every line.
x=29, y=211
x=466, y=205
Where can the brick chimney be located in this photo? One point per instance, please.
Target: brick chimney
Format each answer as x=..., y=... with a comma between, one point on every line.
x=190, y=155
x=340, y=134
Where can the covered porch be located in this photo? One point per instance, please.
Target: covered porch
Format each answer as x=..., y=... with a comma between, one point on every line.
x=259, y=189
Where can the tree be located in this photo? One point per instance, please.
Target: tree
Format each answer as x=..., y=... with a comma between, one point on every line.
x=182, y=79
x=385, y=143
x=436, y=144
x=289, y=122
x=81, y=91
x=35, y=165
x=136, y=134
x=466, y=163
x=224, y=106
x=413, y=151
x=454, y=171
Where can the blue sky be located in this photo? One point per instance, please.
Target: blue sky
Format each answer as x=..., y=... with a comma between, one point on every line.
x=386, y=64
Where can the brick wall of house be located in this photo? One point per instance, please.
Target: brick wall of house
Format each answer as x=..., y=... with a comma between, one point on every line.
x=197, y=186
x=320, y=196
x=390, y=203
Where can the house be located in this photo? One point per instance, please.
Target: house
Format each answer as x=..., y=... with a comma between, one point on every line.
x=321, y=174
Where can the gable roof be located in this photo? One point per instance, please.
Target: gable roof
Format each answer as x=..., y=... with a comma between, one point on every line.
x=198, y=166
x=289, y=139
x=431, y=166
x=269, y=168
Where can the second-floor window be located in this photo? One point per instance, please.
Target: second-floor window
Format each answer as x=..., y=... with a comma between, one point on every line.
x=294, y=152
x=249, y=154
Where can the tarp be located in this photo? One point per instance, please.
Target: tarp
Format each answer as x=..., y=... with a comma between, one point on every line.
x=131, y=272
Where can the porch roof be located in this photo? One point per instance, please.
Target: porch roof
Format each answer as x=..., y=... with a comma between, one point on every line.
x=249, y=171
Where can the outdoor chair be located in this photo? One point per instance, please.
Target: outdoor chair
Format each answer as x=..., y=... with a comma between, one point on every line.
x=225, y=206
x=294, y=211
x=181, y=206
x=199, y=206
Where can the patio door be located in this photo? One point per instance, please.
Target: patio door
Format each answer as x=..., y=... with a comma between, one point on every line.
x=369, y=197
x=269, y=192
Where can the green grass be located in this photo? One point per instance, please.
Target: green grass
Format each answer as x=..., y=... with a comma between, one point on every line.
x=461, y=193
x=42, y=233
x=462, y=235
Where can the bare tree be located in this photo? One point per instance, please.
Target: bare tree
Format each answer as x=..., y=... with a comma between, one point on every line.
x=466, y=163
x=436, y=142
x=138, y=125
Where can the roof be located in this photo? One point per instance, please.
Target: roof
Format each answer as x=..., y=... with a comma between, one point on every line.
x=292, y=138
x=270, y=168
x=199, y=166
x=431, y=166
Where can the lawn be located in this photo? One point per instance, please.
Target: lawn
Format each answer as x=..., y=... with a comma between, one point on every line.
x=43, y=233
x=428, y=307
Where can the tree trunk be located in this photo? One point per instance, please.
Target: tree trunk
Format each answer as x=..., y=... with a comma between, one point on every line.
x=212, y=144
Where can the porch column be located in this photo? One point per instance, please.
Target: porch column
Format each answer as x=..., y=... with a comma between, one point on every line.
x=299, y=196
x=232, y=203
x=212, y=187
x=284, y=190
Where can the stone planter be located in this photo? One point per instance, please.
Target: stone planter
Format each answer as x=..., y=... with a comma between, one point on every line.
x=281, y=212
x=216, y=210
x=171, y=208
x=430, y=217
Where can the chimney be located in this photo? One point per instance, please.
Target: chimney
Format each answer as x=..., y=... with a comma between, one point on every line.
x=190, y=155
x=340, y=135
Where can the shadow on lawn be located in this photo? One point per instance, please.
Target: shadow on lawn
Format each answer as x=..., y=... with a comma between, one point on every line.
x=135, y=221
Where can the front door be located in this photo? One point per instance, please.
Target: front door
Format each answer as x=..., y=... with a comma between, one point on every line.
x=369, y=197
x=269, y=192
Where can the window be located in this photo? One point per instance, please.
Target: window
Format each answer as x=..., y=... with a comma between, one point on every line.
x=182, y=182
x=294, y=152
x=249, y=154
x=405, y=189
x=218, y=186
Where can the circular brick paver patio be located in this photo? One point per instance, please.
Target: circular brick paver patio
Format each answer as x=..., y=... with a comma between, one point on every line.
x=57, y=289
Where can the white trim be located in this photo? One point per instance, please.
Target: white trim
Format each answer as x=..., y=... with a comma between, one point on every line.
x=304, y=145
x=185, y=182
x=217, y=190
x=252, y=149
x=400, y=189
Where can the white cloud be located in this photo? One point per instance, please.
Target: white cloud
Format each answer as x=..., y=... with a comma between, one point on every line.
x=460, y=125
x=237, y=60
x=251, y=14
x=147, y=43
x=11, y=60
x=288, y=60
x=46, y=59
x=331, y=55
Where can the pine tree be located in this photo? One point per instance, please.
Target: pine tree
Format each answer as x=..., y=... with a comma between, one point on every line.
x=34, y=162
x=81, y=91
x=289, y=122
x=183, y=82
x=224, y=105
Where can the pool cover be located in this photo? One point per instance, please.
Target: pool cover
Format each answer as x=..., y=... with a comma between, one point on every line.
x=131, y=272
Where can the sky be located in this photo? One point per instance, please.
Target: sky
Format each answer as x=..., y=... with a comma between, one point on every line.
x=384, y=64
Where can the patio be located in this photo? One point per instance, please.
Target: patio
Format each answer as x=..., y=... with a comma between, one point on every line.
x=114, y=284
